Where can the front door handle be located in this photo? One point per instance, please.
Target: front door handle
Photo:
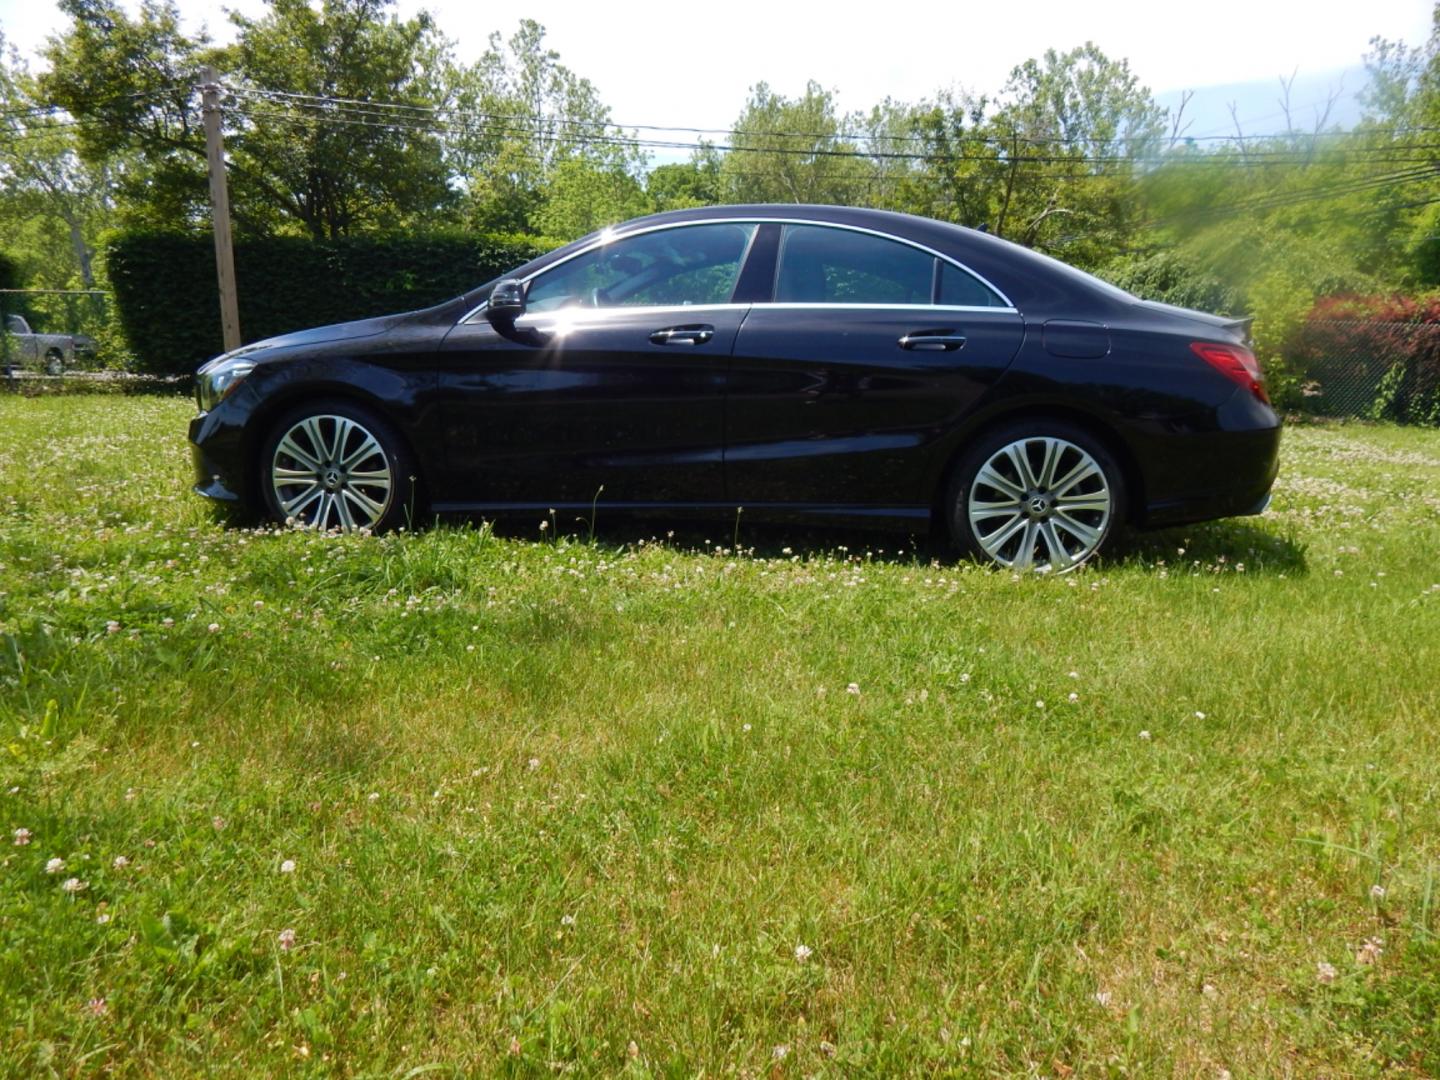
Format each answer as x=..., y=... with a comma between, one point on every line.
x=697, y=334
x=933, y=341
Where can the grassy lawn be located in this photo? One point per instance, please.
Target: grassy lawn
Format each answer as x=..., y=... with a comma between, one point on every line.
x=454, y=804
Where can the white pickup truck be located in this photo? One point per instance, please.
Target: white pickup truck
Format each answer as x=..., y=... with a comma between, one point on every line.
x=24, y=348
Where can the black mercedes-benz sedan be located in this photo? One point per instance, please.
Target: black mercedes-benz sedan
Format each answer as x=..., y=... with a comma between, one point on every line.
x=809, y=363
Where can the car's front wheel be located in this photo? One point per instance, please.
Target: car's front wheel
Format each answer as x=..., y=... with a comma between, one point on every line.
x=334, y=465
x=1039, y=495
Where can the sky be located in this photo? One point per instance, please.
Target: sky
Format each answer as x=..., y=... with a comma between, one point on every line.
x=664, y=63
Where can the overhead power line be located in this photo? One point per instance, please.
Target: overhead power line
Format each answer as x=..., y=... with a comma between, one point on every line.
x=482, y=125
x=862, y=136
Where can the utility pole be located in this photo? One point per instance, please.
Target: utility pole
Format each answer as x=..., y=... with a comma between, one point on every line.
x=220, y=209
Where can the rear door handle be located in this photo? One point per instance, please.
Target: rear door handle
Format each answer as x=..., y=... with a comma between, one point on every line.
x=933, y=341
x=697, y=334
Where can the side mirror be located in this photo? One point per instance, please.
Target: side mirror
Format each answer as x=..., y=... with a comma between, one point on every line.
x=507, y=300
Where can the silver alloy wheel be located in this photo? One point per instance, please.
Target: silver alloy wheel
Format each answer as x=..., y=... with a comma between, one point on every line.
x=329, y=472
x=1040, y=503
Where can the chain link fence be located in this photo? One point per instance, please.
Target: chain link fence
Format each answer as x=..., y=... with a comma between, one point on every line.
x=1369, y=368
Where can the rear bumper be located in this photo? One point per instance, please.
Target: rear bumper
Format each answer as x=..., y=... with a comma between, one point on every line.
x=1225, y=472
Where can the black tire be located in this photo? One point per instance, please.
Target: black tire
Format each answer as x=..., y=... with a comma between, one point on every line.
x=54, y=362
x=1044, y=515
x=350, y=497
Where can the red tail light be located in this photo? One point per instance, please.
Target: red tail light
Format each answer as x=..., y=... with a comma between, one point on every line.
x=1234, y=362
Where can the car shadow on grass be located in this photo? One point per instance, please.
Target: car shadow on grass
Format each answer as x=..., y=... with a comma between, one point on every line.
x=761, y=541
x=1229, y=543
x=1218, y=544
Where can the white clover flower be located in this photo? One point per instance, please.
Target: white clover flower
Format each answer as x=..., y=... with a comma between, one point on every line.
x=853, y=688
x=1370, y=951
x=22, y=837
x=1325, y=972
x=1074, y=696
x=54, y=866
x=121, y=862
x=1199, y=715
x=112, y=627
x=803, y=953
x=1377, y=892
x=567, y=920
x=73, y=885
x=1145, y=735
x=103, y=918
x=287, y=939
x=288, y=866
x=534, y=763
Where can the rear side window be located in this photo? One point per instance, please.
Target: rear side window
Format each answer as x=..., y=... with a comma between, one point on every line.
x=959, y=289
x=835, y=266
x=820, y=265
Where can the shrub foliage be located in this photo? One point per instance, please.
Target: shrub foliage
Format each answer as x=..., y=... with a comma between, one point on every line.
x=169, y=308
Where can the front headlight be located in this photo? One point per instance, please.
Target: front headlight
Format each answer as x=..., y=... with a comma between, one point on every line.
x=216, y=380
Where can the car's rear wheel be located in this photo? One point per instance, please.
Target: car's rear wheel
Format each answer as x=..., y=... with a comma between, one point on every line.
x=333, y=465
x=54, y=362
x=1039, y=495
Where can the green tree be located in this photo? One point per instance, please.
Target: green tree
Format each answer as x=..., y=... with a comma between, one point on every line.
x=293, y=162
x=683, y=184
x=580, y=197
x=1053, y=161
x=795, y=151
x=130, y=81
x=522, y=115
x=338, y=169
x=53, y=204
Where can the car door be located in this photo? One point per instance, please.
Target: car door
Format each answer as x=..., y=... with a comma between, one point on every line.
x=871, y=351
x=610, y=386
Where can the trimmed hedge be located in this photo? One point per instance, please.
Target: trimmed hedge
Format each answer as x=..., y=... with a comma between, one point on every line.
x=169, y=309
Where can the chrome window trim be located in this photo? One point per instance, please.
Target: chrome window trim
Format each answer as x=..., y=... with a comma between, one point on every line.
x=603, y=240
x=580, y=315
x=820, y=304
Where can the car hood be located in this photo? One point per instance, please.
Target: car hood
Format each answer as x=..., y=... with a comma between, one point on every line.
x=360, y=328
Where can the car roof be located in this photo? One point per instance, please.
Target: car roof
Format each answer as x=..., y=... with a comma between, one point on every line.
x=1035, y=283
x=1040, y=287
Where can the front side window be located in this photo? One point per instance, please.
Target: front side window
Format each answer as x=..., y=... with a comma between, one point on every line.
x=820, y=265
x=691, y=264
